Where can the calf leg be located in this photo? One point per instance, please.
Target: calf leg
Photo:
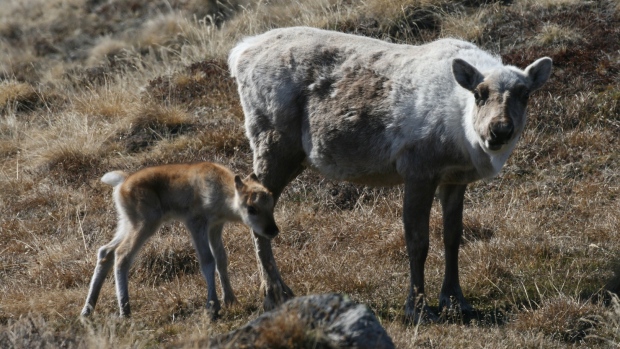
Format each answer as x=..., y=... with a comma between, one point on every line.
x=416, y=215
x=199, y=230
x=451, y=296
x=221, y=262
x=277, y=161
x=125, y=254
x=105, y=261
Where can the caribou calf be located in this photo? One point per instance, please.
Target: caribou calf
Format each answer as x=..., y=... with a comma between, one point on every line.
x=434, y=117
x=204, y=196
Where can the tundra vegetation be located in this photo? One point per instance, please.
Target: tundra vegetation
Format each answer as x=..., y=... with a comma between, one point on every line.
x=90, y=86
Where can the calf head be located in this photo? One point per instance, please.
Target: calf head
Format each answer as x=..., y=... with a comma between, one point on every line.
x=501, y=97
x=256, y=205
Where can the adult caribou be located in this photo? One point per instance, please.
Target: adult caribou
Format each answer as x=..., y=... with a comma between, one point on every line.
x=434, y=117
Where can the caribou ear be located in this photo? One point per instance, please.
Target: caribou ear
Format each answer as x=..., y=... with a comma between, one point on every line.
x=538, y=72
x=239, y=183
x=465, y=74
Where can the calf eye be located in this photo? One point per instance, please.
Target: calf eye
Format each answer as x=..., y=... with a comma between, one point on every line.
x=252, y=210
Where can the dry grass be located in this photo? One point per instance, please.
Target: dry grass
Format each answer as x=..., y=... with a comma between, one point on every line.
x=553, y=34
x=107, y=51
x=91, y=86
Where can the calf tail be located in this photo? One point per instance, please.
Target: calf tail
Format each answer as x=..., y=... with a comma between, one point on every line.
x=114, y=178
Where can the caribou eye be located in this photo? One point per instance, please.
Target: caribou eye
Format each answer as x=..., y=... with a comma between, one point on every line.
x=252, y=210
x=479, y=100
x=481, y=94
x=522, y=92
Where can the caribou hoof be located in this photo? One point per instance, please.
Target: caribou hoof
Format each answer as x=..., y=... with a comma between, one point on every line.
x=213, y=309
x=276, y=294
x=420, y=313
x=455, y=308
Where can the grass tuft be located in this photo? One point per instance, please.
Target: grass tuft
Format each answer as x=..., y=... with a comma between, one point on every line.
x=108, y=51
x=33, y=331
x=20, y=97
x=556, y=35
x=202, y=84
x=150, y=124
x=71, y=165
x=561, y=318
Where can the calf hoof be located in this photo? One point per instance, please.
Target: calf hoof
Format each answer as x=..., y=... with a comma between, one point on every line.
x=86, y=311
x=277, y=294
x=125, y=311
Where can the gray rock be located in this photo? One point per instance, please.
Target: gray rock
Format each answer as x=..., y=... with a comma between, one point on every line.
x=317, y=321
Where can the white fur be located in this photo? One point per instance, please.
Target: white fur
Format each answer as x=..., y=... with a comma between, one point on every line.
x=114, y=178
x=425, y=98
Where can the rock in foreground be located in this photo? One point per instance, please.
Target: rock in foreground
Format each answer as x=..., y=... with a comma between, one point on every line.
x=317, y=321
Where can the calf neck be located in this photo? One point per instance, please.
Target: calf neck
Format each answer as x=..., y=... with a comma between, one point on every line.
x=434, y=117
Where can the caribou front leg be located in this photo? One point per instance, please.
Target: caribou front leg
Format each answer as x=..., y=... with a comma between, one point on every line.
x=277, y=161
x=451, y=297
x=416, y=215
x=275, y=290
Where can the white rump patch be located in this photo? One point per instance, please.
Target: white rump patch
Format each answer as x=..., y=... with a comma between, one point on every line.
x=114, y=178
x=233, y=57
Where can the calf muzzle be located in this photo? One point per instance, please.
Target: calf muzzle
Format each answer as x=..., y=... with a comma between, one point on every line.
x=271, y=231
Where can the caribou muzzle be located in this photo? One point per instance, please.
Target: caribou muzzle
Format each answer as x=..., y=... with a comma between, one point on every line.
x=501, y=132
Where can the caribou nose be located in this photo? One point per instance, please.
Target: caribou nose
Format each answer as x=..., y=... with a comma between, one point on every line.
x=501, y=132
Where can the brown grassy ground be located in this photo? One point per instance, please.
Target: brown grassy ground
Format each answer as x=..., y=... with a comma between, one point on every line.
x=89, y=86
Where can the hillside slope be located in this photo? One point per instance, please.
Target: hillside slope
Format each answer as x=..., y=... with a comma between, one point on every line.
x=90, y=86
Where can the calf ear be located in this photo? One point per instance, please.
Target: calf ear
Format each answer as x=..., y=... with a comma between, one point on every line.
x=538, y=72
x=239, y=183
x=465, y=74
